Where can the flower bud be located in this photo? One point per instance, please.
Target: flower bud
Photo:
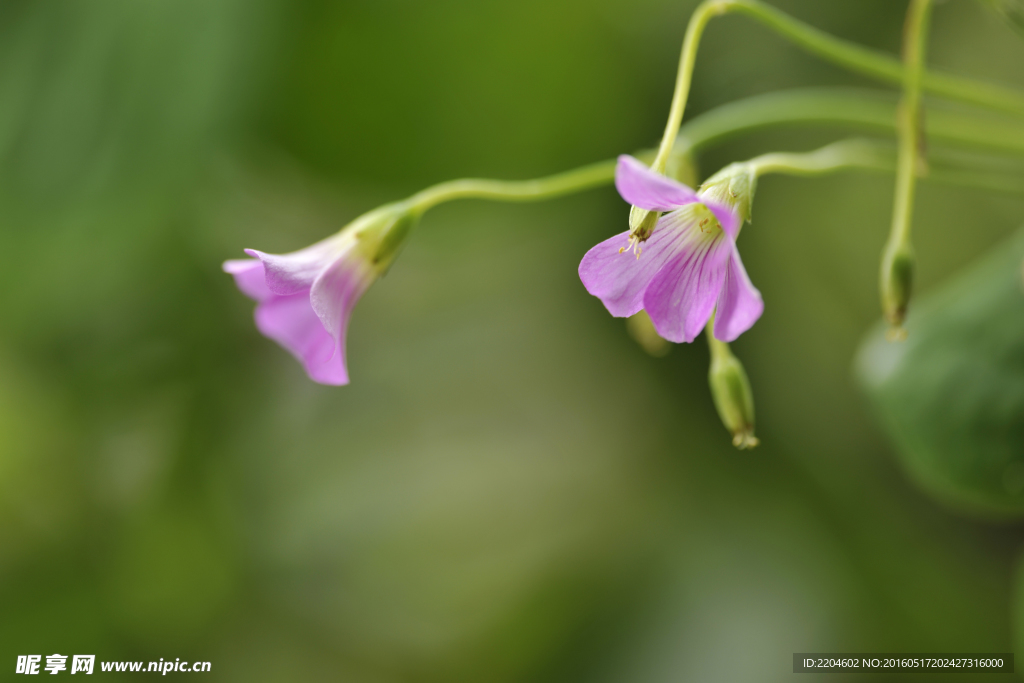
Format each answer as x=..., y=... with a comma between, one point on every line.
x=897, y=279
x=641, y=329
x=733, y=186
x=642, y=222
x=733, y=398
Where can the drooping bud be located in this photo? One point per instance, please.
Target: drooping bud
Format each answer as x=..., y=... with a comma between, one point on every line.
x=897, y=280
x=733, y=186
x=641, y=329
x=642, y=222
x=730, y=390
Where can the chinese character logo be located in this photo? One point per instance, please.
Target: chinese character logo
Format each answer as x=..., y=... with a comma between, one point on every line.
x=55, y=663
x=82, y=663
x=28, y=664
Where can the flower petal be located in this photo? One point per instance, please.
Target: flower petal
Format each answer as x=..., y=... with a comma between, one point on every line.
x=682, y=295
x=739, y=304
x=727, y=217
x=291, y=273
x=292, y=323
x=334, y=294
x=640, y=186
x=619, y=279
x=249, y=278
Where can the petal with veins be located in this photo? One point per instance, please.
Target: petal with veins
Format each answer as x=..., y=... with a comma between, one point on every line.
x=739, y=304
x=642, y=187
x=682, y=295
x=618, y=278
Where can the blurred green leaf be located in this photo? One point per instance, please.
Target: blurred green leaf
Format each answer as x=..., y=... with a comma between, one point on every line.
x=1012, y=11
x=951, y=397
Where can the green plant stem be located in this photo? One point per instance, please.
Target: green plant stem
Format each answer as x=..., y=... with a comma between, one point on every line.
x=869, y=155
x=839, y=155
x=909, y=131
x=694, y=30
x=719, y=349
x=868, y=110
x=841, y=52
x=871, y=63
x=865, y=110
x=568, y=182
x=896, y=274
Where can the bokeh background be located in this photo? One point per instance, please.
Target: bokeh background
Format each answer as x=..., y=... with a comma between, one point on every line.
x=510, y=489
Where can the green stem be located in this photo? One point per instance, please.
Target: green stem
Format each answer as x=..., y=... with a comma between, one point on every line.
x=829, y=107
x=839, y=155
x=841, y=52
x=694, y=30
x=719, y=349
x=897, y=269
x=576, y=180
x=909, y=131
x=874, y=64
x=874, y=156
x=867, y=110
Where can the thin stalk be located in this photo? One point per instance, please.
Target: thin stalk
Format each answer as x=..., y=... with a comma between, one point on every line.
x=868, y=110
x=844, y=53
x=576, y=180
x=829, y=107
x=874, y=64
x=898, y=261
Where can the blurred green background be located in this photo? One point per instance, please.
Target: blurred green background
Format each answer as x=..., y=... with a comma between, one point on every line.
x=510, y=489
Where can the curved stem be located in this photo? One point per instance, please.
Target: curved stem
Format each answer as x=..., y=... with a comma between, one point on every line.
x=875, y=64
x=694, y=30
x=841, y=52
x=576, y=180
x=864, y=109
x=867, y=155
x=830, y=107
x=839, y=155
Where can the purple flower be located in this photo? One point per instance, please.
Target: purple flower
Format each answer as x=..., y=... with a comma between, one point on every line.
x=684, y=269
x=305, y=298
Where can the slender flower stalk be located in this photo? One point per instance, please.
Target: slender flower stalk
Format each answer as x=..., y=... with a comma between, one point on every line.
x=841, y=52
x=876, y=64
x=305, y=298
x=866, y=110
x=897, y=271
x=846, y=54
x=312, y=325
x=285, y=310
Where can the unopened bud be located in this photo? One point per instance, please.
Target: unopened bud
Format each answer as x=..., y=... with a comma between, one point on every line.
x=641, y=328
x=897, y=281
x=733, y=398
x=642, y=222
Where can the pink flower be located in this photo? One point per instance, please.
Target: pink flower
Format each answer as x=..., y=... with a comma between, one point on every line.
x=686, y=268
x=305, y=298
